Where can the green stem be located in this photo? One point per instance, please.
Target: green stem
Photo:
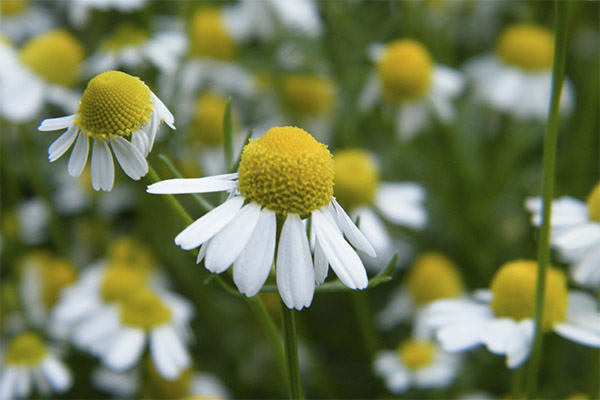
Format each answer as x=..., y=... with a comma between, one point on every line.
x=516, y=386
x=170, y=199
x=550, y=144
x=228, y=131
x=365, y=322
x=290, y=344
x=203, y=203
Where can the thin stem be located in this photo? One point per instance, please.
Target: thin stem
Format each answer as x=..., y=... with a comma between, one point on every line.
x=290, y=344
x=170, y=199
x=364, y=314
x=550, y=144
x=228, y=131
x=203, y=203
x=516, y=386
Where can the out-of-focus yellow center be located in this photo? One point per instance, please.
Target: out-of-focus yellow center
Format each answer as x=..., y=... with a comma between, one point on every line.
x=208, y=119
x=56, y=273
x=356, y=178
x=164, y=389
x=530, y=47
x=114, y=104
x=307, y=95
x=12, y=7
x=208, y=36
x=405, y=70
x=26, y=350
x=513, y=289
x=144, y=309
x=55, y=56
x=119, y=282
x=416, y=354
x=128, y=252
x=124, y=35
x=287, y=171
x=593, y=202
x=433, y=276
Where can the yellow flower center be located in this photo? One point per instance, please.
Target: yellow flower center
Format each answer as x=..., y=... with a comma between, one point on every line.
x=165, y=389
x=307, y=95
x=124, y=35
x=55, y=56
x=208, y=119
x=530, y=47
x=433, y=276
x=144, y=309
x=130, y=253
x=208, y=37
x=513, y=289
x=593, y=203
x=287, y=171
x=356, y=178
x=26, y=350
x=405, y=70
x=119, y=282
x=416, y=354
x=56, y=273
x=114, y=103
x=12, y=7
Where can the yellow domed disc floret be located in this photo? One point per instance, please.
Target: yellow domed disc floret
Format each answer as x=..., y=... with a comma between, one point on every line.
x=114, y=103
x=124, y=35
x=307, y=95
x=208, y=37
x=208, y=119
x=513, y=289
x=593, y=202
x=12, y=7
x=356, y=178
x=530, y=47
x=287, y=171
x=405, y=70
x=128, y=252
x=55, y=56
x=144, y=309
x=416, y=354
x=119, y=282
x=26, y=349
x=433, y=276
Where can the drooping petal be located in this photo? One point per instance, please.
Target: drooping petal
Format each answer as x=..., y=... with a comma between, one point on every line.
x=57, y=374
x=354, y=235
x=321, y=264
x=461, y=337
x=518, y=344
x=79, y=155
x=168, y=352
x=140, y=140
x=129, y=157
x=163, y=112
x=103, y=168
x=126, y=350
x=62, y=144
x=217, y=183
x=587, y=272
x=400, y=203
x=23, y=383
x=496, y=333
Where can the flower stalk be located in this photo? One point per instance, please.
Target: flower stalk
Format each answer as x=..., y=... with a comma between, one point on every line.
x=290, y=344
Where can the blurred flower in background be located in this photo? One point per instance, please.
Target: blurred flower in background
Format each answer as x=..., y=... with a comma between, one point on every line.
x=79, y=11
x=23, y=19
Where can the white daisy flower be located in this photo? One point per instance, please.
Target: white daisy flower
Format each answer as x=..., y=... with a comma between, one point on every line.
x=78, y=11
x=114, y=105
x=432, y=276
x=502, y=318
x=575, y=234
x=517, y=78
x=21, y=20
x=32, y=221
x=131, y=47
x=284, y=176
x=407, y=79
x=28, y=365
x=417, y=363
x=43, y=71
x=359, y=190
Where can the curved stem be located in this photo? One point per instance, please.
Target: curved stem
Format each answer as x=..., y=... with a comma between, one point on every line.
x=290, y=344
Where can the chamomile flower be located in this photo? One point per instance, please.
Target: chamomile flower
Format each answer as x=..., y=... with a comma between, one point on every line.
x=409, y=81
x=575, y=234
x=432, y=276
x=416, y=363
x=43, y=71
x=502, y=318
x=21, y=19
x=131, y=48
x=30, y=364
x=359, y=190
x=114, y=106
x=79, y=10
x=517, y=78
x=284, y=176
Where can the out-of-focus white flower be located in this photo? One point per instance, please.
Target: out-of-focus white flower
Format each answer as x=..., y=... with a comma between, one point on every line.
x=359, y=190
x=575, y=233
x=417, y=363
x=407, y=79
x=32, y=221
x=131, y=48
x=517, y=78
x=502, y=318
x=43, y=71
x=114, y=105
x=21, y=20
x=29, y=364
x=79, y=10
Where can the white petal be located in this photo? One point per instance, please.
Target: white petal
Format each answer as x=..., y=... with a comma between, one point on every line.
x=519, y=344
x=201, y=252
x=62, y=144
x=295, y=274
x=496, y=333
x=582, y=236
x=40, y=383
x=140, y=140
x=168, y=352
x=103, y=169
x=401, y=203
x=374, y=230
x=57, y=374
x=130, y=158
x=321, y=264
x=578, y=334
x=102, y=324
x=23, y=383
x=163, y=112
x=79, y=155
x=343, y=259
x=399, y=381
x=448, y=81
x=126, y=350
x=209, y=184
x=456, y=311
x=54, y=124
x=227, y=245
x=7, y=382
x=461, y=337
x=587, y=272
x=354, y=235
x=410, y=119
x=251, y=269
x=208, y=225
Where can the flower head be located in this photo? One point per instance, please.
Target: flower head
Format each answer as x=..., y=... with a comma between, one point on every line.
x=208, y=119
x=209, y=36
x=526, y=46
x=307, y=95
